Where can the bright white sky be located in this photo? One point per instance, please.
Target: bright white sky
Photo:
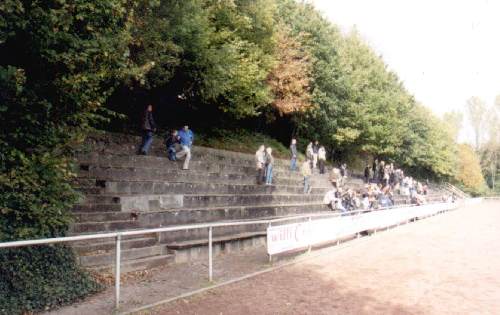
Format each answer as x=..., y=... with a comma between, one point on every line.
x=444, y=51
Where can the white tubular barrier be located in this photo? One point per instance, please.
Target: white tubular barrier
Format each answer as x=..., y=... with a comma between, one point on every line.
x=492, y=198
x=473, y=201
x=280, y=238
x=283, y=238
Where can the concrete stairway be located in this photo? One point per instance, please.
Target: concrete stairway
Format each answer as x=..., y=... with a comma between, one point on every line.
x=122, y=191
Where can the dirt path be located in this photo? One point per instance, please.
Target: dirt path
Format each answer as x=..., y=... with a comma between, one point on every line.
x=448, y=264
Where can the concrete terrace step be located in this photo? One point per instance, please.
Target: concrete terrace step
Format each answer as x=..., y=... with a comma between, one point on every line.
x=157, y=202
x=165, y=187
x=138, y=264
x=202, y=163
x=199, y=215
x=183, y=185
x=106, y=226
x=127, y=254
x=120, y=144
x=151, y=168
x=191, y=175
x=90, y=222
x=106, y=245
x=219, y=239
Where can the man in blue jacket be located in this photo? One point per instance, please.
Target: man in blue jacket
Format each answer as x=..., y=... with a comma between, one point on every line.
x=186, y=138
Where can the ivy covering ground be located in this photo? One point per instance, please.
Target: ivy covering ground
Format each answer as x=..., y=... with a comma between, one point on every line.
x=40, y=278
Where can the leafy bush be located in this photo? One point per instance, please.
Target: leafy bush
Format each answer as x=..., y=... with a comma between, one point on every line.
x=59, y=62
x=36, y=196
x=39, y=278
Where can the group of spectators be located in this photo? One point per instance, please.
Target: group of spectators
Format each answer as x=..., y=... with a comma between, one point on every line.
x=178, y=142
x=315, y=159
x=380, y=172
x=264, y=163
x=395, y=180
x=372, y=196
x=316, y=156
x=382, y=180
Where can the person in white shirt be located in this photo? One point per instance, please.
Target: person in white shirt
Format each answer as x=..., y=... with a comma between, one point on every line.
x=260, y=162
x=322, y=159
x=329, y=199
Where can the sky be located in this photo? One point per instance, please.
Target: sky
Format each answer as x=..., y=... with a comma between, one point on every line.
x=444, y=51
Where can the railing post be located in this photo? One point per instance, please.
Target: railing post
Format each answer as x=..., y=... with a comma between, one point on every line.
x=210, y=277
x=117, y=270
x=270, y=256
x=310, y=246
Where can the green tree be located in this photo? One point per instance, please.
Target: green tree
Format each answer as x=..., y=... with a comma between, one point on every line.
x=60, y=62
x=476, y=110
x=469, y=169
x=290, y=78
x=490, y=150
x=454, y=120
x=209, y=53
x=427, y=149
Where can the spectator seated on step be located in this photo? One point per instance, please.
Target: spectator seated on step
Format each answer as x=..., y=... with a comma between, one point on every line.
x=333, y=199
x=418, y=199
x=350, y=200
x=172, y=142
x=330, y=198
x=186, y=138
x=384, y=201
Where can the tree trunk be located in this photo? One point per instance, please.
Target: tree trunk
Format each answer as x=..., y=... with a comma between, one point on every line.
x=494, y=171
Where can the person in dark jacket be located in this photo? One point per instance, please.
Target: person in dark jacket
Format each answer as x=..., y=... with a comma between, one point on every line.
x=367, y=173
x=375, y=170
x=171, y=142
x=315, y=149
x=293, y=153
x=148, y=127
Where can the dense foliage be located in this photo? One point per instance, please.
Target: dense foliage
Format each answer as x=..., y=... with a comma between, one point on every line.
x=59, y=61
x=280, y=67
x=469, y=170
x=41, y=277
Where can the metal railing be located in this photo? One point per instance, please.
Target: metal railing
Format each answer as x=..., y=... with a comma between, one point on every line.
x=460, y=193
x=210, y=226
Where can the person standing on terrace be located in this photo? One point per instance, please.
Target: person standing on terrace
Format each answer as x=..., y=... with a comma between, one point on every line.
x=306, y=171
x=322, y=159
x=260, y=164
x=293, y=153
x=148, y=127
x=269, y=166
x=186, y=138
x=367, y=173
x=315, y=154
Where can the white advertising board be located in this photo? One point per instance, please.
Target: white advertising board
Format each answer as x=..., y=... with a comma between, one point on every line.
x=283, y=238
